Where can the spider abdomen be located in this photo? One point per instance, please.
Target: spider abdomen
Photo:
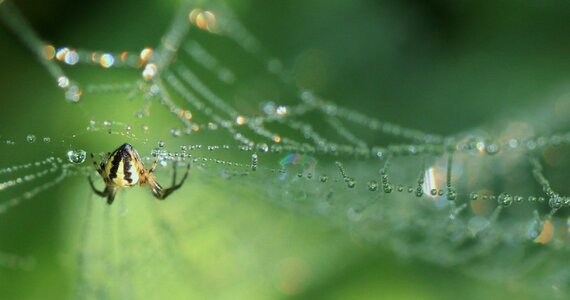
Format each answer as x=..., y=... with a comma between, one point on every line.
x=122, y=167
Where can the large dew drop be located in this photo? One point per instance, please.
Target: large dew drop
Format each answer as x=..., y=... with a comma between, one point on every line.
x=76, y=156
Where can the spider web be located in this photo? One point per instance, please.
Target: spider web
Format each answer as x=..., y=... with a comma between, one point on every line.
x=212, y=96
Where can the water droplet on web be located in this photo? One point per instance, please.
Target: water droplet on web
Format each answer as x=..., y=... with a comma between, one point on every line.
x=505, y=200
x=350, y=183
x=556, y=201
x=160, y=144
x=30, y=138
x=254, y=162
x=263, y=147
x=47, y=139
x=71, y=57
x=324, y=178
x=176, y=132
x=451, y=194
x=73, y=94
x=281, y=110
x=76, y=156
x=492, y=147
x=107, y=60
x=63, y=82
x=372, y=185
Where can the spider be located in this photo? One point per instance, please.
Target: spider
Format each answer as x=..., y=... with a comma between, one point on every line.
x=124, y=168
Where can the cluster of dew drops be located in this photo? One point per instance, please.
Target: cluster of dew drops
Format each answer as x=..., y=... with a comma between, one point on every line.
x=75, y=156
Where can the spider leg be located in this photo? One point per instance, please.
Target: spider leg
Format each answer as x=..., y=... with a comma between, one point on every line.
x=96, y=165
x=100, y=193
x=111, y=196
x=161, y=193
x=174, y=164
x=153, y=167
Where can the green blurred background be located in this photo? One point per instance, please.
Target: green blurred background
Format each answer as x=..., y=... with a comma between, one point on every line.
x=442, y=66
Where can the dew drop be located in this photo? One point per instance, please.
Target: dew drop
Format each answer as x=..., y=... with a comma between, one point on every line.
x=451, y=194
x=492, y=147
x=160, y=144
x=433, y=192
x=176, y=132
x=556, y=201
x=388, y=188
x=47, y=139
x=324, y=178
x=350, y=183
x=505, y=200
x=63, y=82
x=254, y=161
x=373, y=185
x=76, y=156
x=263, y=147
x=473, y=196
x=30, y=138
x=107, y=60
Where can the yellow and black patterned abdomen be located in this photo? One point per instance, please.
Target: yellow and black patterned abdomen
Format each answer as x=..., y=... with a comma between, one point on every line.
x=123, y=166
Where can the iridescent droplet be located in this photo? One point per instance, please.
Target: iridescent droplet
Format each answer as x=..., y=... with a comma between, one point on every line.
x=107, y=60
